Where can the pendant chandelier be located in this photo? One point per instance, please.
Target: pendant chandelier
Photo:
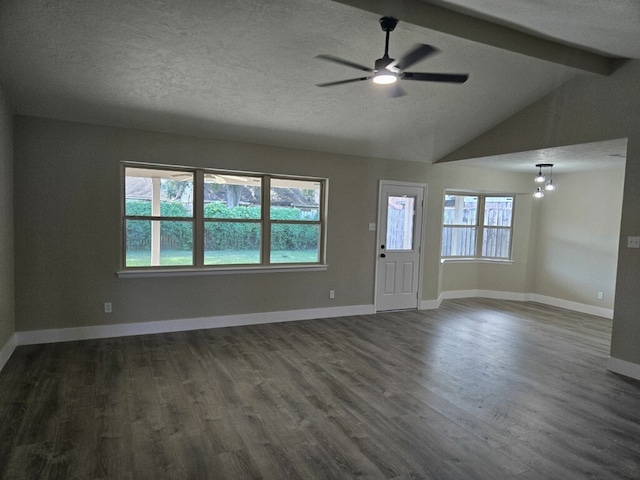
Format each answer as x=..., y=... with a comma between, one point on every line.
x=541, y=180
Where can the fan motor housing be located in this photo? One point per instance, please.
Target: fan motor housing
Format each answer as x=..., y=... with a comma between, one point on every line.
x=381, y=63
x=388, y=24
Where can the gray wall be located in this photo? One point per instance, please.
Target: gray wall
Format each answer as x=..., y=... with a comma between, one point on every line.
x=7, y=318
x=584, y=110
x=67, y=183
x=576, y=251
x=67, y=186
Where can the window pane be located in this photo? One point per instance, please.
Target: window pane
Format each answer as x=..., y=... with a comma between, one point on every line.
x=232, y=196
x=158, y=243
x=160, y=193
x=295, y=199
x=460, y=210
x=495, y=242
x=458, y=241
x=295, y=243
x=498, y=211
x=231, y=243
x=400, y=211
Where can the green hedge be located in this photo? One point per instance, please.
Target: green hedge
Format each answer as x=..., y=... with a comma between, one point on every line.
x=174, y=235
x=219, y=235
x=292, y=237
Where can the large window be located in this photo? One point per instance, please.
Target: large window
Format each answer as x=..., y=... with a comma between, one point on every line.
x=197, y=218
x=477, y=226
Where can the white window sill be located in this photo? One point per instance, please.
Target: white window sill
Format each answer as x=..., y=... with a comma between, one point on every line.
x=477, y=260
x=187, y=271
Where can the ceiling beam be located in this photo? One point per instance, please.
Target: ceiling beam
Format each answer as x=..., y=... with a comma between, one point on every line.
x=433, y=17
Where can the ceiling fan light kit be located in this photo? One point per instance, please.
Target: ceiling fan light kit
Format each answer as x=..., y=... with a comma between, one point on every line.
x=384, y=78
x=387, y=70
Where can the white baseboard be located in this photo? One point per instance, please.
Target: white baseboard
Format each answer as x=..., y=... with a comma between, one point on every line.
x=165, y=326
x=519, y=297
x=7, y=350
x=430, y=304
x=576, y=307
x=623, y=367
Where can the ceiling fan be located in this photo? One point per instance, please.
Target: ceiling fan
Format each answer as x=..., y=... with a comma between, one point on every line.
x=388, y=70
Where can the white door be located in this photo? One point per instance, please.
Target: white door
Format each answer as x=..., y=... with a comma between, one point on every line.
x=399, y=240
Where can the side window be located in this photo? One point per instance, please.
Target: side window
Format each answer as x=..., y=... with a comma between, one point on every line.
x=477, y=226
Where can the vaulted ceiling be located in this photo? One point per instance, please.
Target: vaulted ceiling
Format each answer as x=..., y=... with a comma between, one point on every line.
x=245, y=69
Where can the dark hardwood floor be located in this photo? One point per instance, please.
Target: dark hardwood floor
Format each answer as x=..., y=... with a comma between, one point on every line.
x=479, y=389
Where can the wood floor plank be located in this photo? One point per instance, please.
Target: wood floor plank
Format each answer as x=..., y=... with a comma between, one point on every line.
x=478, y=389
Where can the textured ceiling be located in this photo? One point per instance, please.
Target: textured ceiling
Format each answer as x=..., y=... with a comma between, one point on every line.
x=608, y=154
x=245, y=70
x=611, y=27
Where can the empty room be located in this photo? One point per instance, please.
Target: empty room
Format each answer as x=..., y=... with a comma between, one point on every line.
x=316, y=239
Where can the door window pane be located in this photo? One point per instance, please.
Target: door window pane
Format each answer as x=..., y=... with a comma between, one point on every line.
x=400, y=212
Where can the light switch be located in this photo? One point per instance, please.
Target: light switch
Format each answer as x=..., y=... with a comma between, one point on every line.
x=372, y=227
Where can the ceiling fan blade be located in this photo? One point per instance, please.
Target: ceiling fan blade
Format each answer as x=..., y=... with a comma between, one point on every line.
x=419, y=52
x=341, y=61
x=435, y=77
x=340, y=82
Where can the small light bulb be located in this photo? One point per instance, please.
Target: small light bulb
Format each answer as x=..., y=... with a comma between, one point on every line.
x=539, y=193
x=550, y=186
x=540, y=177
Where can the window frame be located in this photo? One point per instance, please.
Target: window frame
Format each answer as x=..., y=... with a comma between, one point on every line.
x=199, y=220
x=480, y=227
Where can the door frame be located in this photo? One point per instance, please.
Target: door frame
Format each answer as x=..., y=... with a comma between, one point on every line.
x=424, y=187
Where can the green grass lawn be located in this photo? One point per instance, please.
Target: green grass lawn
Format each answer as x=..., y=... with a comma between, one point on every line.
x=142, y=258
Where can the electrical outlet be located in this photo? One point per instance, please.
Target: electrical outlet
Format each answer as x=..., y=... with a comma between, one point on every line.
x=107, y=307
x=600, y=295
x=332, y=294
x=633, y=242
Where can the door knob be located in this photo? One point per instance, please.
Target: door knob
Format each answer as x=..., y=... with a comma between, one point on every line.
x=382, y=255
